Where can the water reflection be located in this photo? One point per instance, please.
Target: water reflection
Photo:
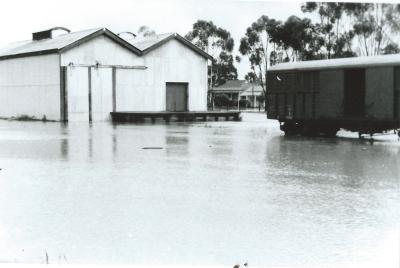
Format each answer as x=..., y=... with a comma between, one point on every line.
x=349, y=162
x=177, y=143
x=216, y=193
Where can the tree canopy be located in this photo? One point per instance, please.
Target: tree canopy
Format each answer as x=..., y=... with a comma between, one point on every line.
x=219, y=43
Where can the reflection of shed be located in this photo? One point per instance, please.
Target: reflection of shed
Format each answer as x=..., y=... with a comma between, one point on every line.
x=85, y=75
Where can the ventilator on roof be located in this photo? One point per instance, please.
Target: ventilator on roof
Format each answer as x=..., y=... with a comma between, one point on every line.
x=47, y=34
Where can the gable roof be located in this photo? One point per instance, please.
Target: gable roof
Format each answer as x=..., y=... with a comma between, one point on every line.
x=150, y=43
x=383, y=60
x=59, y=44
x=232, y=86
x=257, y=90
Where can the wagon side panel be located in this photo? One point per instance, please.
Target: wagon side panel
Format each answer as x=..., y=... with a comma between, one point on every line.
x=271, y=97
x=379, y=93
x=396, y=94
x=330, y=98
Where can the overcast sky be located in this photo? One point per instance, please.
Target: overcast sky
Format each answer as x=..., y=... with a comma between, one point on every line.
x=20, y=18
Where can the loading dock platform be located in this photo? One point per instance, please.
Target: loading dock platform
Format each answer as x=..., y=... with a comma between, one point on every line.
x=175, y=116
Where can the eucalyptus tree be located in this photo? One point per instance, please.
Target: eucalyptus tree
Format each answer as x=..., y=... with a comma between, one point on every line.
x=219, y=43
x=257, y=44
x=300, y=39
x=145, y=31
x=335, y=36
x=375, y=26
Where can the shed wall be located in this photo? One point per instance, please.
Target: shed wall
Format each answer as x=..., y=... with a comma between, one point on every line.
x=379, y=92
x=30, y=86
x=102, y=50
x=78, y=93
x=136, y=90
x=171, y=62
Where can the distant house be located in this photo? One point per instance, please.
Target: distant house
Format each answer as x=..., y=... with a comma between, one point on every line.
x=236, y=90
x=85, y=75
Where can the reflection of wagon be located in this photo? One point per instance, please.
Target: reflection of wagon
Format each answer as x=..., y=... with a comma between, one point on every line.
x=320, y=97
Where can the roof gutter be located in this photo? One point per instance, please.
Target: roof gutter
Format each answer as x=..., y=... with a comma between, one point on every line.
x=29, y=54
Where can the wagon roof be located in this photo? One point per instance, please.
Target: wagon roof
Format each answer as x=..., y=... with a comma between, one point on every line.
x=150, y=43
x=59, y=44
x=354, y=62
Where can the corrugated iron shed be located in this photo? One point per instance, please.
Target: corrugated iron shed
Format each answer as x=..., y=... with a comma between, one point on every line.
x=58, y=44
x=152, y=42
x=66, y=41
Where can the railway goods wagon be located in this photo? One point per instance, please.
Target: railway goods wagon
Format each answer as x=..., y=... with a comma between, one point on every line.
x=322, y=96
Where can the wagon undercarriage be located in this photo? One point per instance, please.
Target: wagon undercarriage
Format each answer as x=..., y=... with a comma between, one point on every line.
x=331, y=127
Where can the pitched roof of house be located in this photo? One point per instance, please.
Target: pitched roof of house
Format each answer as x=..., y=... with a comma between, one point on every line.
x=256, y=90
x=232, y=86
x=152, y=42
x=383, y=60
x=59, y=44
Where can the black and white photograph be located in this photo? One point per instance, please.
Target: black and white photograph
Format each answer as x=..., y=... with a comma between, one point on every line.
x=200, y=133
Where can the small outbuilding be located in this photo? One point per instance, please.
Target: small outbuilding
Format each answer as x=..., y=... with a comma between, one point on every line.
x=85, y=75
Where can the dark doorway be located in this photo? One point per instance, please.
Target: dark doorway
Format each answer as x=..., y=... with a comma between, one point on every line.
x=176, y=97
x=354, y=92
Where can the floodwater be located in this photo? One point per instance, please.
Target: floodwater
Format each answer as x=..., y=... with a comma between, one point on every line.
x=216, y=193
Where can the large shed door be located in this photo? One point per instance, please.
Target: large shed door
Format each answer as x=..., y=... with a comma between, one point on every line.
x=176, y=97
x=354, y=92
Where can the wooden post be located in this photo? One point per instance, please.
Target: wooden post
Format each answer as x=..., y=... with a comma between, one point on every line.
x=238, y=102
x=90, y=92
x=63, y=95
x=114, y=89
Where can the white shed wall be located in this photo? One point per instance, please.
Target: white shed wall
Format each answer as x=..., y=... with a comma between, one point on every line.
x=171, y=62
x=102, y=50
x=102, y=101
x=136, y=90
x=77, y=94
x=30, y=86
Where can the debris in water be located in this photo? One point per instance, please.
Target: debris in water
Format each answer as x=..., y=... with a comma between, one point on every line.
x=152, y=148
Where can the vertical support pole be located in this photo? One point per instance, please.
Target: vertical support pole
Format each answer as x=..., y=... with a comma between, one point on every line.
x=63, y=94
x=396, y=94
x=114, y=89
x=90, y=92
x=238, y=101
x=285, y=105
x=62, y=90
x=313, y=104
x=294, y=105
